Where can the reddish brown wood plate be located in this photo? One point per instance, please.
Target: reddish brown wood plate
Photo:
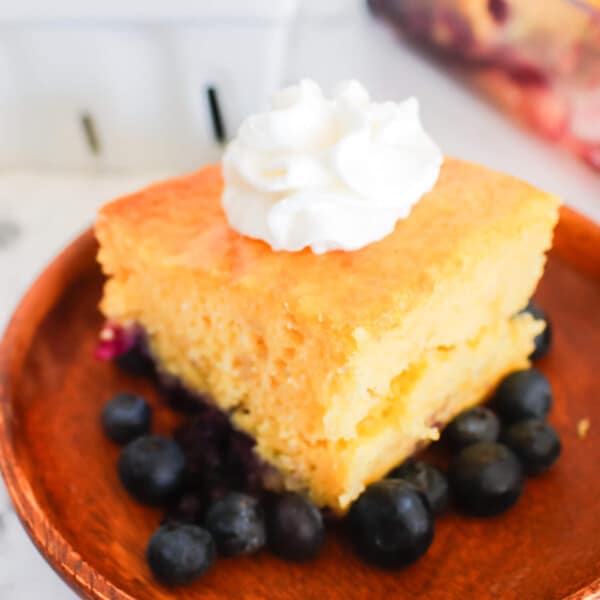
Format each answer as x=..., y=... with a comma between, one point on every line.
x=60, y=471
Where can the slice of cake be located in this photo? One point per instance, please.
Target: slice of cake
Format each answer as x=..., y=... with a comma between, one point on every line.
x=338, y=365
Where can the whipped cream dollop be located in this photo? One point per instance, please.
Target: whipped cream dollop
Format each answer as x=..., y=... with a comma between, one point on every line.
x=327, y=174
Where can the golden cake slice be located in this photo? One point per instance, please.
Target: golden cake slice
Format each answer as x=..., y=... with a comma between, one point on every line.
x=338, y=365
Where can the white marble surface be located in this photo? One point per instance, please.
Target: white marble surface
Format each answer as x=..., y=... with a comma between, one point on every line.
x=40, y=213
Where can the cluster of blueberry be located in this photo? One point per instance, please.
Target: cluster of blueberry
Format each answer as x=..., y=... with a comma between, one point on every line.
x=492, y=450
x=391, y=524
x=193, y=476
x=392, y=521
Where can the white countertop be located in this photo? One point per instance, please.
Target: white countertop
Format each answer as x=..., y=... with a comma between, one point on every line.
x=41, y=212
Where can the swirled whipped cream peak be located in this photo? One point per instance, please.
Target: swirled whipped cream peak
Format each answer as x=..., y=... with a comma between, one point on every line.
x=327, y=174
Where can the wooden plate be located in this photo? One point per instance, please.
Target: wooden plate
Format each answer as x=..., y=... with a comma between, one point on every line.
x=60, y=471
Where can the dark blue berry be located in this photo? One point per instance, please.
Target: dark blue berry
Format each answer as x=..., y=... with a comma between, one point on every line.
x=522, y=395
x=179, y=553
x=478, y=424
x=151, y=469
x=179, y=397
x=391, y=524
x=126, y=417
x=427, y=479
x=244, y=468
x=189, y=508
x=204, y=439
x=218, y=456
x=535, y=443
x=485, y=479
x=237, y=524
x=295, y=529
x=543, y=340
x=136, y=363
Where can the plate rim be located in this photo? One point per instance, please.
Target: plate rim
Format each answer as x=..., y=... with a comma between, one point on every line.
x=63, y=270
x=574, y=239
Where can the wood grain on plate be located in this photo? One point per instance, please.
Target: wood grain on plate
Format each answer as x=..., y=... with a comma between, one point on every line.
x=60, y=471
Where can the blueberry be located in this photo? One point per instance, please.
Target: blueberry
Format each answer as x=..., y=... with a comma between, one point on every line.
x=426, y=478
x=535, y=443
x=189, y=508
x=522, y=395
x=543, y=340
x=151, y=469
x=486, y=479
x=136, y=361
x=478, y=424
x=295, y=529
x=218, y=457
x=179, y=397
x=126, y=417
x=391, y=524
x=244, y=468
x=237, y=525
x=178, y=553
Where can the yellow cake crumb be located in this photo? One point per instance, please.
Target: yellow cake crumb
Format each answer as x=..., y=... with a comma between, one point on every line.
x=583, y=426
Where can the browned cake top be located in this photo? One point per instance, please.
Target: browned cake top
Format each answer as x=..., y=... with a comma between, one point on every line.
x=471, y=210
